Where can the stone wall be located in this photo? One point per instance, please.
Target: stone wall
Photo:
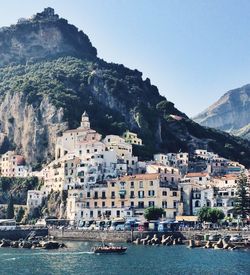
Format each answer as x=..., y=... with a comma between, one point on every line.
x=108, y=236
x=128, y=236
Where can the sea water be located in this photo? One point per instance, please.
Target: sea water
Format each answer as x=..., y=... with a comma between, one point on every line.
x=77, y=258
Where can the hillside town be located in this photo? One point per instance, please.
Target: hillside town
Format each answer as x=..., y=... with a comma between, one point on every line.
x=102, y=179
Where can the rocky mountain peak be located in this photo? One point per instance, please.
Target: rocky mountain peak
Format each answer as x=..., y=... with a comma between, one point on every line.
x=43, y=36
x=46, y=14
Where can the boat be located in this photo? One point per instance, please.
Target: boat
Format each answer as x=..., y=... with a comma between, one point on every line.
x=109, y=249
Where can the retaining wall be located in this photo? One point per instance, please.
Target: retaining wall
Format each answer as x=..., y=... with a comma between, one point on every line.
x=127, y=236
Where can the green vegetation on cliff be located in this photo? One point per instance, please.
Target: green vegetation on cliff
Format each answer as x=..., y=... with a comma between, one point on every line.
x=17, y=189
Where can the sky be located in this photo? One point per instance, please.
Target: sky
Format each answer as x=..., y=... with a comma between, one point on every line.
x=193, y=50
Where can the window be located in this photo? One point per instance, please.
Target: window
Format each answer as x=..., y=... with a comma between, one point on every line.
x=141, y=204
x=141, y=184
x=151, y=183
x=132, y=204
x=132, y=185
x=122, y=204
x=197, y=204
x=95, y=203
x=132, y=194
x=112, y=184
x=200, y=178
x=112, y=203
x=113, y=194
x=164, y=204
x=118, y=213
x=103, y=204
x=175, y=204
x=141, y=194
x=91, y=213
x=174, y=194
x=151, y=203
x=87, y=204
x=88, y=194
x=151, y=193
x=164, y=193
x=96, y=195
x=103, y=195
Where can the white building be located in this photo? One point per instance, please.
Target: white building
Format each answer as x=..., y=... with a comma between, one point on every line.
x=211, y=196
x=199, y=177
x=34, y=198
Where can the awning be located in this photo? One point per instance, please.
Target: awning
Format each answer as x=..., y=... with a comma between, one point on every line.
x=122, y=192
x=186, y=218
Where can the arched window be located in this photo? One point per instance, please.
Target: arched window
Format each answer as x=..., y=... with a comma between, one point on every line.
x=197, y=203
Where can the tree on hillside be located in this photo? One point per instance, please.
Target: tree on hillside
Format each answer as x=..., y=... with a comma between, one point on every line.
x=153, y=213
x=242, y=202
x=35, y=213
x=208, y=214
x=20, y=214
x=10, y=208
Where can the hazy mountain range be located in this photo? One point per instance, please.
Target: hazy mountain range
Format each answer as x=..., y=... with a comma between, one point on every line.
x=231, y=113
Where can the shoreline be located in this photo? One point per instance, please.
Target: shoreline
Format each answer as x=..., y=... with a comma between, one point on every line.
x=130, y=236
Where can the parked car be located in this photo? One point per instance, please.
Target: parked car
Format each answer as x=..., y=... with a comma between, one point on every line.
x=214, y=237
x=236, y=238
x=130, y=224
x=117, y=225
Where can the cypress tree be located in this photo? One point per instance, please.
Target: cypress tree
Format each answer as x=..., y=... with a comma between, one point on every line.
x=242, y=202
x=10, y=208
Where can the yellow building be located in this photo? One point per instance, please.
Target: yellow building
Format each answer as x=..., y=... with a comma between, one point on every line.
x=132, y=138
x=124, y=197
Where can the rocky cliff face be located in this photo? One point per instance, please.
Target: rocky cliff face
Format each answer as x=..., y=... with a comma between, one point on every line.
x=31, y=130
x=50, y=74
x=230, y=112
